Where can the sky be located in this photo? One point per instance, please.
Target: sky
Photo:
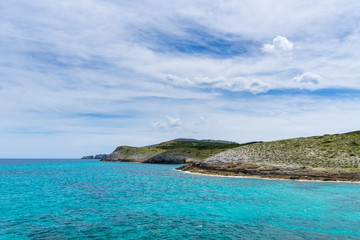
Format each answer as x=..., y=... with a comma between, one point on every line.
x=83, y=77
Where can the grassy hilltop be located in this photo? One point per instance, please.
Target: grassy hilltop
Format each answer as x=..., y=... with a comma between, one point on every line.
x=132, y=154
x=199, y=149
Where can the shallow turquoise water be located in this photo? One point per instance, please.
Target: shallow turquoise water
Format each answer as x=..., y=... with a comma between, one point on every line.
x=87, y=199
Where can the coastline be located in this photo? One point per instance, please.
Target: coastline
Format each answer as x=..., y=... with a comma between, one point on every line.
x=263, y=178
x=217, y=173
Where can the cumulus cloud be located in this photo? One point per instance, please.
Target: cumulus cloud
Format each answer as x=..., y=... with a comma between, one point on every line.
x=234, y=84
x=280, y=43
x=307, y=78
x=168, y=123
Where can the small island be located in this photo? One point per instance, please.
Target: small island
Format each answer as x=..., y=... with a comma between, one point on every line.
x=327, y=158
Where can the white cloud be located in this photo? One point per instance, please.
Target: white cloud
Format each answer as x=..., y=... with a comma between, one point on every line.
x=173, y=122
x=178, y=80
x=308, y=78
x=280, y=43
x=234, y=84
x=168, y=123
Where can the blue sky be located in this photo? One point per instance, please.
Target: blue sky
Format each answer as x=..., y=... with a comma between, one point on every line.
x=83, y=77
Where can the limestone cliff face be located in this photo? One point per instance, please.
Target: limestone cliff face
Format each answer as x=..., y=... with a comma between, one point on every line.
x=100, y=156
x=168, y=158
x=130, y=154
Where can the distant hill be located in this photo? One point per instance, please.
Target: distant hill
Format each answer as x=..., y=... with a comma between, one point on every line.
x=325, y=157
x=174, y=151
x=131, y=154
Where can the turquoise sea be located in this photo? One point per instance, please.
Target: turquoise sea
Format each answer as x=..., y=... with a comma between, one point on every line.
x=88, y=199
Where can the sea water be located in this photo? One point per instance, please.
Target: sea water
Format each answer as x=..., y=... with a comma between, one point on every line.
x=88, y=199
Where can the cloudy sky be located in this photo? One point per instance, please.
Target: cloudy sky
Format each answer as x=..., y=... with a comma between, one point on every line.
x=82, y=77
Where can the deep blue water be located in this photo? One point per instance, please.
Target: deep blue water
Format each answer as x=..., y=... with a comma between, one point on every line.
x=87, y=199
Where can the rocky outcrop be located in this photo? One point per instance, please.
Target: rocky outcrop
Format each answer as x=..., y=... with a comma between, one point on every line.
x=131, y=154
x=100, y=156
x=168, y=158
x=88, y=157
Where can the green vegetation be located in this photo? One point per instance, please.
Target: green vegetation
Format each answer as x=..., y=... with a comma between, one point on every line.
x=195, y=148
x=130, y=151
x=132, y=154
x=329, y=151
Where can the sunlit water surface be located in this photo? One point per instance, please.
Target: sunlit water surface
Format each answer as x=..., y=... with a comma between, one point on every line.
x=82, y=199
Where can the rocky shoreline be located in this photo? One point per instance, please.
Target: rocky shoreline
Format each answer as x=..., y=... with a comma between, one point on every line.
x=258, y=170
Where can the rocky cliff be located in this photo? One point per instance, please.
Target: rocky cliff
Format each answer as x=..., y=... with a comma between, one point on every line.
x=168, y=158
